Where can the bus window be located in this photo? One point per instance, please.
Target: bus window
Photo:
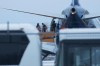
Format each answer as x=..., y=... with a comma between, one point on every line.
x=79, y=53
x=12, y=46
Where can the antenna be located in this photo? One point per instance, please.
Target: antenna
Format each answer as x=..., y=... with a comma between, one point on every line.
x=75, y=2
x=8, y=27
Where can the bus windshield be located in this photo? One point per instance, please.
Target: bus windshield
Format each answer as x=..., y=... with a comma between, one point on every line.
x=79, y=53
x=12, y=46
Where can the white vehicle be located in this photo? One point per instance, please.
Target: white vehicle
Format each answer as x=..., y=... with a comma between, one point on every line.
x=79, y=47
x=19, y=45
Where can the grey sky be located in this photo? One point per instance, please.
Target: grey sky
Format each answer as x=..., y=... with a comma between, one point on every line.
x=50, y=7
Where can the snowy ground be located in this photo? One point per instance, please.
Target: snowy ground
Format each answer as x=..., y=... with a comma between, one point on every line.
x=49, y=61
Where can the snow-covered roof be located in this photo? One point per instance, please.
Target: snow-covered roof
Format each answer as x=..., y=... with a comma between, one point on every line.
x=27, y=28
x=80, y=33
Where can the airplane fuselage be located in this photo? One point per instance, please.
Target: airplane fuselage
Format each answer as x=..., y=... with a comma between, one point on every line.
x=74, y=15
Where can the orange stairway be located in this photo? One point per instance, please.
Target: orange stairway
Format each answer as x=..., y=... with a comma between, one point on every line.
x=47, y=36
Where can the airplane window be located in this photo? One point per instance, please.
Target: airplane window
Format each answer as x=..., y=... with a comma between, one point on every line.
x=12, y=47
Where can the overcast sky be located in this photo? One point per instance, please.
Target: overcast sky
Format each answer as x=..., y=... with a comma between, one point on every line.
x=49, y=7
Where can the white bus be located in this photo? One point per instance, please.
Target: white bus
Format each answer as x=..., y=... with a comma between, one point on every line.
x=19, y=45
x=79, y=47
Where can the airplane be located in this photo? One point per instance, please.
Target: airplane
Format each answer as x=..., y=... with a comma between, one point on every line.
x=73, y=17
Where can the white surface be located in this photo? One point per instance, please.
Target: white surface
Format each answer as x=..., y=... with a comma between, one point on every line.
x=48, y=63
x=49, y=46
x=88, y=33
x=32, y=54
x=26, y=27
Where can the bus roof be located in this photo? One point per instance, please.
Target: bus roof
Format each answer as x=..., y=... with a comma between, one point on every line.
x=26, y=27
x=82, y=33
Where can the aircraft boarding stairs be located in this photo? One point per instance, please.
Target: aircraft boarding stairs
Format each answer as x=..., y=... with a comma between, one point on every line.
x=48, y=48
x=48, y=44
x=45, y=36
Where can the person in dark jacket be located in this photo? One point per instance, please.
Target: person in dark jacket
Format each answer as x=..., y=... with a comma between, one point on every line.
x=53, y=26
x=38, y=27
x=44, y=27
